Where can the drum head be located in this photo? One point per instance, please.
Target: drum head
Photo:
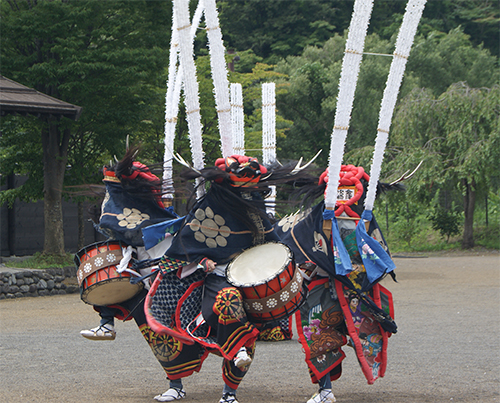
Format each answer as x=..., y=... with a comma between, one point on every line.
x=258, y=264
x=111, y=292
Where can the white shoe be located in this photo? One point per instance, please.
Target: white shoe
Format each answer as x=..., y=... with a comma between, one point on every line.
x=171, y=395
x=102, y=332
x=242, y=358
x=228, y=398
x=323, y=396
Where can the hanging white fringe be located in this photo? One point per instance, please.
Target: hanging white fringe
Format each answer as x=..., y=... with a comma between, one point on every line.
x=219, y=76
x=269, y=134
x=347, y=86
x=268, y=123
x=237, y=119
x=190, y=85
x=172, y=98
x=413, y=13
x=170, y=115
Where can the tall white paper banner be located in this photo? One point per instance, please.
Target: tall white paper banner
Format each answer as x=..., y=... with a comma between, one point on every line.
x=347, y=86
x=268, y=123
x=219, y=76
x=172, y=98
x=269, y=132
x=413, y=13
x=237, y=119
x=181, y=10
x=170, y=116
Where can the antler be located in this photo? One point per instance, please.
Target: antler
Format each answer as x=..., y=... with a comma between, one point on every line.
x=299, y=168
x=405, y=175
x=182, y=161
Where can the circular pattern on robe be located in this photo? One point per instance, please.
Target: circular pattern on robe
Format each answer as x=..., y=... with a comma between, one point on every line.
x=195, y=225
x=225, y=231
x=99, y=261
x=209, y=212
x=87, y=267
x=165, y=347
x=209, y=228
x=110, y=257
x=257, y=306
x=199, y=237
x=131, y=218
x=199, y=214
x=221, y=241
x=294, y=287
x=211, y=243
x=219, y=220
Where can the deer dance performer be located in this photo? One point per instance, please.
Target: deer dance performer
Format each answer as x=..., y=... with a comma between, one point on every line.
x=339, y=307
x=132, y=203
x=191, y=300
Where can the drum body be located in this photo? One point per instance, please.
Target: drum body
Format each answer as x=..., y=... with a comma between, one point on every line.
x=269, y=281
x=100, y=283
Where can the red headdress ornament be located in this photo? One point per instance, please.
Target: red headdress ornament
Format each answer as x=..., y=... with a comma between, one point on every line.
x=350, y=187
x=243, y=171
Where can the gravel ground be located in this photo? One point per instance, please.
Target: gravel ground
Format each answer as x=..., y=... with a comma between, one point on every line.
x=446, y=350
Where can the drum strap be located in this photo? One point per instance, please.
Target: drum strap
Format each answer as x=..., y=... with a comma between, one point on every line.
x=97, y=262
x=277, y=300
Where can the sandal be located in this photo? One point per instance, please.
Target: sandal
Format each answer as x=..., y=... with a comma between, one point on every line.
x=102, y=332
x=171, y=395
x=228, y=398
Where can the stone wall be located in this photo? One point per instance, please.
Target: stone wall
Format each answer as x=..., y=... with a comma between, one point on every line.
x=37, y=283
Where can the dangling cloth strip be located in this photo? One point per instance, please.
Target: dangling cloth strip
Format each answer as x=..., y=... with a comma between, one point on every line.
x=376, y=260
x=341, y=257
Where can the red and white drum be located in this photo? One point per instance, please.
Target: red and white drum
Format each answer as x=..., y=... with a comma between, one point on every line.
x=269, y=281
x=100, y=283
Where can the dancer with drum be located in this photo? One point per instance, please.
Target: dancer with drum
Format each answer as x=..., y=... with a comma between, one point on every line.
x=352, y=306
x=191, y=300
x=131, y=204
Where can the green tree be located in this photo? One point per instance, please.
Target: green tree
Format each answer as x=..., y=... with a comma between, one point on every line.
x=312, y=96
x=102, y=56
x=284, y=28
x=439, y=60
x=458, y=137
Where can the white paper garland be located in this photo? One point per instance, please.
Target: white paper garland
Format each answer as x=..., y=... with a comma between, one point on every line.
x=219, y=76
x=347, y=86
x=237, y=119
x=268, y=123
x=172, y=98
x=190, y=85
x=269, y=134
x=413, y=13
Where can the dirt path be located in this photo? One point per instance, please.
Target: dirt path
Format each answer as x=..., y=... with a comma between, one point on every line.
x=447, y=348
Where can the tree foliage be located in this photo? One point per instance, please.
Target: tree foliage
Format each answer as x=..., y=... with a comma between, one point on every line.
x=458, y=137
x=102, y=56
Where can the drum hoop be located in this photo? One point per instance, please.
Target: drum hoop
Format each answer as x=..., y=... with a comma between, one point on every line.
x=78, y=255
x=236, y=283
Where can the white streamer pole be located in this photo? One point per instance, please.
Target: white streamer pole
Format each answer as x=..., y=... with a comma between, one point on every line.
x=413, y=13
x=170, y=115
x=268, y=123
x=219, y=76
x=181, y=10
x=237, y=119
x=347, y=86
x=172, y=99
x=269, y=132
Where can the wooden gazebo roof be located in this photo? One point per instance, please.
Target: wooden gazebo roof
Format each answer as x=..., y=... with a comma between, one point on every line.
x=15, y=98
